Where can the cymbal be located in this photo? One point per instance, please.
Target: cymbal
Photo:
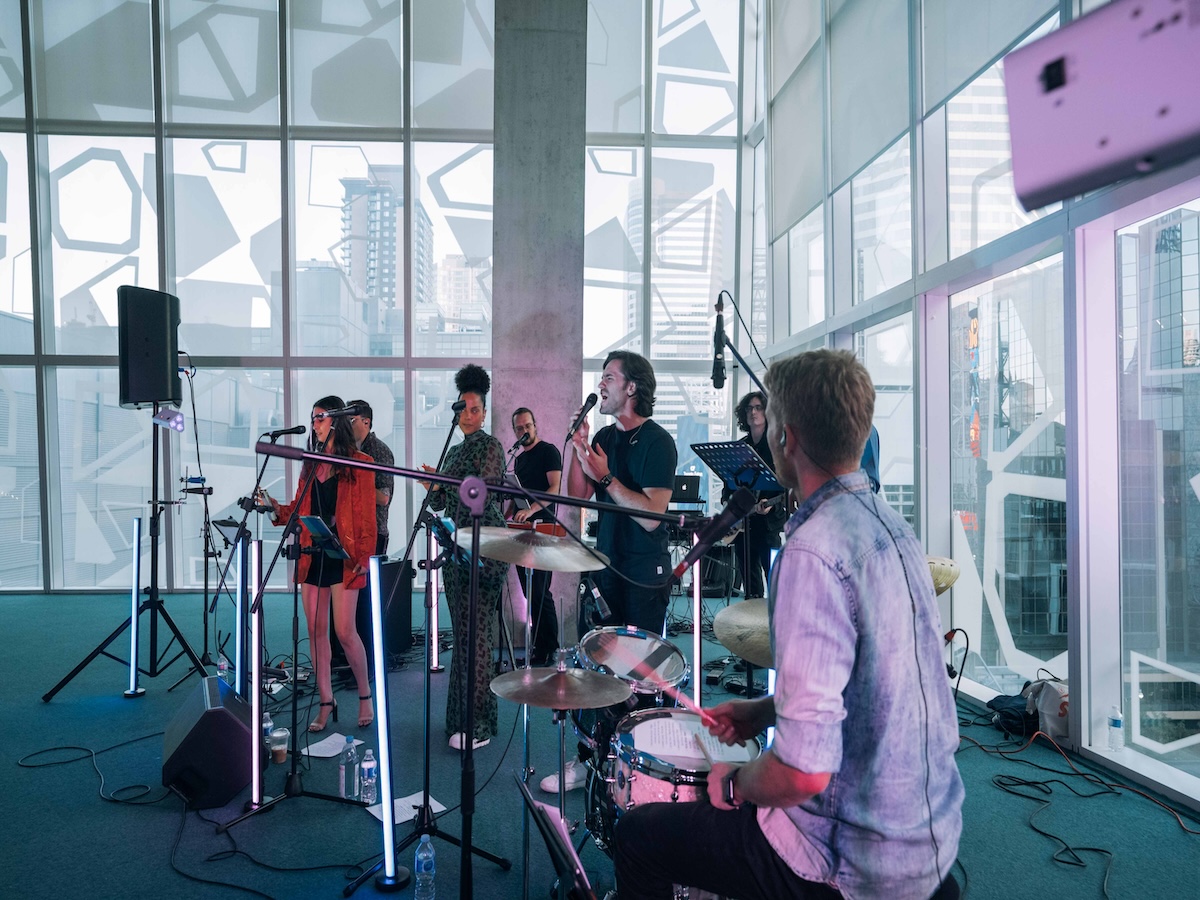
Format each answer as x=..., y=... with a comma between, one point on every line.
x=552, y=689
x=533, y=550
x=944, y=571
x=744, y=628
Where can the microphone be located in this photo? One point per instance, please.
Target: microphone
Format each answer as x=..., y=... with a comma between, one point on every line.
x=206, y=491
x=718, y=370
x=335, y=414
x=458, y=406
x=295, y=429
x=525, y=439
x=587, y=408
x=738, y=507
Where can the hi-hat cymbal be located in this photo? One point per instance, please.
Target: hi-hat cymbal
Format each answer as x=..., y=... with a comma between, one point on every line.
x=533, y=550
x=552, y=689
x=944, y=571
x=745, y=629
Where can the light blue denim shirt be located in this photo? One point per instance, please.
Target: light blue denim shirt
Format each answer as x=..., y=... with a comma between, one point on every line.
x=853, y=698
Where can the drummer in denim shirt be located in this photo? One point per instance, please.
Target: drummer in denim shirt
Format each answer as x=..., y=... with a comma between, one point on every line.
x=859, y=795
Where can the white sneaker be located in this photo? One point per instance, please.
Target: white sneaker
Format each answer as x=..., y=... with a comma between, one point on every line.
x=576, y=775
x=459, y=738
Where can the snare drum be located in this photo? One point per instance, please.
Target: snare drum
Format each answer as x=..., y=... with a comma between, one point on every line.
x=653, y=758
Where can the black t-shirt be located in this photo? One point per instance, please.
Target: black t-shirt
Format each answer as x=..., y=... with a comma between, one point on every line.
x=531, y=468
x=642, y=458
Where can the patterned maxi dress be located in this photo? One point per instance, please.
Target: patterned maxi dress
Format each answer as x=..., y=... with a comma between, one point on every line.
x=478, y=454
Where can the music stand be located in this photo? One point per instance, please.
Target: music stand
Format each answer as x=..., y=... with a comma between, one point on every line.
x=323, y=538
x=562, y=853
x=738, y=465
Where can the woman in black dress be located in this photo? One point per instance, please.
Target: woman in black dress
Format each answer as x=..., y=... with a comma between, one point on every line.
x=479, y=454
x=344, y=498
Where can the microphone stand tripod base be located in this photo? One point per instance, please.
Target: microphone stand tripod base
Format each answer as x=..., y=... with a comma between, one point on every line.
x=135, y=693
x=265, y=804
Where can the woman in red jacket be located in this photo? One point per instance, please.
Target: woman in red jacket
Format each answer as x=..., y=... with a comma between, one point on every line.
x=344, y=498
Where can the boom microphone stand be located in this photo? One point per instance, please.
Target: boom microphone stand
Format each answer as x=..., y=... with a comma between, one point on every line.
x=294, y=786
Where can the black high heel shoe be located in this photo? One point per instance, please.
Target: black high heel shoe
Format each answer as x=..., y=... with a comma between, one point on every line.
x=363, y=722
x=317, y=725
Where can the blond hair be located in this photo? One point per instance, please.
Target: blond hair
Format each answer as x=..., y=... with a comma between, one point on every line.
x=828, y=397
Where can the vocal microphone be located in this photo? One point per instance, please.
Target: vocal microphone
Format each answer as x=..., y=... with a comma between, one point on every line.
x=295, y=429
x=718, y=370
x=206, y=491
x=336, y=414
x=587, y=408
x=738, y=507
x=458, y=406
x=525, y=439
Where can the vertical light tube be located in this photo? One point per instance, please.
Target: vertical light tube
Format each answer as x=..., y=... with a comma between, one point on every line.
x=697, y=601
x=435, y=664
x=135, y=594
x=387, y=878
x=254, y=689
x=239, y=620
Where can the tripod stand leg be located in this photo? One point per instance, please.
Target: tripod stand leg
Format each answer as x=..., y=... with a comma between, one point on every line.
x=102, y=647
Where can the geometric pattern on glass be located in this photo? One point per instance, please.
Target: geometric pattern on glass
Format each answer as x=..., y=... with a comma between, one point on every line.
x=227, y=246
x=452, y=249
x=96, y=179
x=882, y=223
x=12, y=81
x=346, y=65
x=1164, y=705
x=691, y=237
x=695, y=54
x=1007, y=477
x=222, y=57
x=20, y=505
x=612, y=257
x=454, y=59
x=225, y=156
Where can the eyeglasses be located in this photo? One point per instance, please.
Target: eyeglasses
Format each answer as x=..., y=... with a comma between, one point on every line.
x=319, y=417
x=755, y=407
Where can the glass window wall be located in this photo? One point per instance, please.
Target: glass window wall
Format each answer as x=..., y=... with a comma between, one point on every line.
x=1008, y=418
x=1159, y=356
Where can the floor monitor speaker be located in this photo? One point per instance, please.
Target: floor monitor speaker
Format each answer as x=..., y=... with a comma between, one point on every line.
x=206, y=747
x=148, y=347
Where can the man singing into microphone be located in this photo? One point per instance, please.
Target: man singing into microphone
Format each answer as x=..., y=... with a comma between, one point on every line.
x=538, y=468
x=858, y=795
x=630, y=463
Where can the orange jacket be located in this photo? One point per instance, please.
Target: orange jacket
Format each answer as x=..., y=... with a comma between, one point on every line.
x=355, y=520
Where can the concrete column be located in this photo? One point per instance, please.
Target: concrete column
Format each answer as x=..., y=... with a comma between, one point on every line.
x=537, y=277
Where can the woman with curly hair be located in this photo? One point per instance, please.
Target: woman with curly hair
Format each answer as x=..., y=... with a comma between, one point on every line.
x=344, y=498
x=482, y=455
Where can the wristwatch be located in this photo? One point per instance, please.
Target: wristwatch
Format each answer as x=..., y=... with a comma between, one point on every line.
x=727, y=783
x=606, y=480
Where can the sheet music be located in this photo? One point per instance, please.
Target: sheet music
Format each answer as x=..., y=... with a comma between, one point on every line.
x=677, y=737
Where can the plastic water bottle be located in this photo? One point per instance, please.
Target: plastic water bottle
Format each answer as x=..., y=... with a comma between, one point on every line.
x=423, y=870
x=348, y=771
x=267, y=725
x=368, y=779
x=1116, y=730
x=223, y=668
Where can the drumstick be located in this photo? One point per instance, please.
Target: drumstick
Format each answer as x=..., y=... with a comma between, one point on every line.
x=643, y=672
x=703, y=749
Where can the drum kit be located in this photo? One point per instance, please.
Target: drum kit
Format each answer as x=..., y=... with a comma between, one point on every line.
x=623, y=697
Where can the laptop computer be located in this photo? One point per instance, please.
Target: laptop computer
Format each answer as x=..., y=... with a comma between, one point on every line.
x=686, y=489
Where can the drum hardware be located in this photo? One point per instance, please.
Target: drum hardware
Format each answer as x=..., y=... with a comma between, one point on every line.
x=744, y=628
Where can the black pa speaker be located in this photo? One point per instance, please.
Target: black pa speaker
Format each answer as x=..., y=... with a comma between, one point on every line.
x=148, y=347
x=206, y=747
x=396, y=583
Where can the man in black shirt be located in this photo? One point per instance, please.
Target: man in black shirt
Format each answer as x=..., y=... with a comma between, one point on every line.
x=630, y=463
x=538, y=468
